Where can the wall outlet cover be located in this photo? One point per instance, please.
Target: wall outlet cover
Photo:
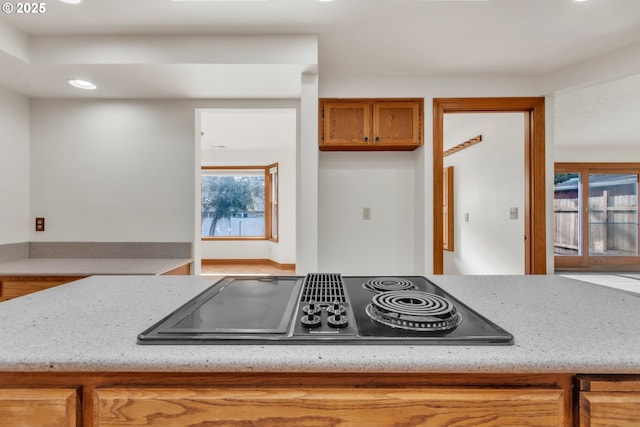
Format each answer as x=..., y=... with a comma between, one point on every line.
x=366, y=213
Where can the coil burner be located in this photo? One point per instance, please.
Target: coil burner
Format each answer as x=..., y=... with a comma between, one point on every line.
x=386, y=284
x=413, y=310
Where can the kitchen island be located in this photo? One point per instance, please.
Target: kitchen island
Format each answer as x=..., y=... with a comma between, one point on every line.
x=79, y=340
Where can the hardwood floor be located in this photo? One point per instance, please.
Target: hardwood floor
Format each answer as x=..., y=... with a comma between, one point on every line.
x=245, y=269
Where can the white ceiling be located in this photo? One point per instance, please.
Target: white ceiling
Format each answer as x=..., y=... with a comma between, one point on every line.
x=399, y=38
x=410, y=36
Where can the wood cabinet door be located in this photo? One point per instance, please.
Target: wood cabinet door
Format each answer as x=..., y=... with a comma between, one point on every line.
x=346, y=124
x=17, y=286
x=327, y=406
x=608, y=400
x=609, y=409
x=39, y=407
x=397, y=123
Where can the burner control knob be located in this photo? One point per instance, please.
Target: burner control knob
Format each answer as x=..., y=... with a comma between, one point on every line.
x=310, y=320
x=312, y=308
x=337, y=321
x=336, y=308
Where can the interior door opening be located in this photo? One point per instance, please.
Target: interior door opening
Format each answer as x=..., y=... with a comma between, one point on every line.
x=245, y=190
x=534, y=172
x=484, y=165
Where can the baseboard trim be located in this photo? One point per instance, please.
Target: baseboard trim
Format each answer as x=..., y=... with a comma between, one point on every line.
x=251, y=261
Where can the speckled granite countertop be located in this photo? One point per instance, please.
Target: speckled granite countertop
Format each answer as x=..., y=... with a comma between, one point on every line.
x=88, y=266
x=560, y=326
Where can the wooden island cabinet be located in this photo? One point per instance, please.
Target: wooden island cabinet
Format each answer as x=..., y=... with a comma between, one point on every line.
x=59, y=407
x=611, y=401
x=299, y=399
x=371, y=124
x=17, y=286
x=307, y=406
x=163, y=399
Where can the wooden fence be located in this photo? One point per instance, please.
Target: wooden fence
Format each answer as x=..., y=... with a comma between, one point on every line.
x=613, y=225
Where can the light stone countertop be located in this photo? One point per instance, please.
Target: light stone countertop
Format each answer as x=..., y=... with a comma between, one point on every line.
x=89, y=266
x=560, y=326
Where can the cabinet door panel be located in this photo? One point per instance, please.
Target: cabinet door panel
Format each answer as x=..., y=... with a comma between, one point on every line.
x=17, y=286
x=396, y=123
x=327, y=407
x=39, y=407
x=17, y=289
x=347, y=123
x=609, y=409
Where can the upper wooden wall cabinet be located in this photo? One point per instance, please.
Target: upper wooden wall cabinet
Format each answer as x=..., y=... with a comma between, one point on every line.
x=371, y=124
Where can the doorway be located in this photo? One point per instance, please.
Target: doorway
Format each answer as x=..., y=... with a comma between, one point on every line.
x=245, y=188
x=534, y=172
x=484, y=204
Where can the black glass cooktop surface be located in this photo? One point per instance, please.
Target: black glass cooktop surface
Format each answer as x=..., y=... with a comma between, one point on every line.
x=325, y=308
x=256, y=305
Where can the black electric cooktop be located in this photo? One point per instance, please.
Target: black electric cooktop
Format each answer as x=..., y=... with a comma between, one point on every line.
x=325, y=308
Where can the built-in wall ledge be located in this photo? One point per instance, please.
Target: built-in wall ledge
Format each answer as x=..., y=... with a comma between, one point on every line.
x=463, y=145
x=249, y=261
x=109, y=250
x=14, y=251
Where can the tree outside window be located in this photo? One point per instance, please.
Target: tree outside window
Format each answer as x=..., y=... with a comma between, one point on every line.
x=236, y=203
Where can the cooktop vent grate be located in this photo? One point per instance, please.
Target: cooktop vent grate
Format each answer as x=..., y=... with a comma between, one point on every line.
x=323, y=288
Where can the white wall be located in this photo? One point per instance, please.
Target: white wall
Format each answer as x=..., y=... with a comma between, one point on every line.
x=307, y=233
x=419, y=256
x=106, y=170
x=597, y=154
x=383, y=182
x=284, y=251
x=488, y=181
x=15, y=218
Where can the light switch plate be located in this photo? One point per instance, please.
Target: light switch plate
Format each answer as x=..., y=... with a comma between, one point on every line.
x=513, y=213
x=366, y=213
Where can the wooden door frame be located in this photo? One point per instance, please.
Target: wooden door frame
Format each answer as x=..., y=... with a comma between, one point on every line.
x=534, y=166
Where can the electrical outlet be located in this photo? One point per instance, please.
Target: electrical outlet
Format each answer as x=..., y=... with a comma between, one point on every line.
x=513, y=213
x=39, y=224
x=466, y=217
x=366, y=213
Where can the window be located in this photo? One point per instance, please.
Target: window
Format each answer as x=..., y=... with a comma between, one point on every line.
x=596, y=214
x=239, y=202
x=273, y=198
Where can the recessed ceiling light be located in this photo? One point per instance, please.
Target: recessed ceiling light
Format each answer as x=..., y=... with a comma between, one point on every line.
x=71, y=1
x=81, y=84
